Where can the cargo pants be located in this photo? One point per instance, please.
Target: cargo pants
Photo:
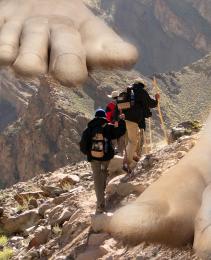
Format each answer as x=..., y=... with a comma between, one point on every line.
x=134, y=136
x=100, y=173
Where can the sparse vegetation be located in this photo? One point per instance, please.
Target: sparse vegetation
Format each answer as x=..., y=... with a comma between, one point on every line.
x=57, y=230
x=6, y=254
x=1, y=231
x=25, y=204
x=3, y=240
x=66, y=185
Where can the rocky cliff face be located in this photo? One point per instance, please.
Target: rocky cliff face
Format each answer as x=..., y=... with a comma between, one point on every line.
x=204, y=8
x=169, y=34
x=14, y=97
x=45, y=137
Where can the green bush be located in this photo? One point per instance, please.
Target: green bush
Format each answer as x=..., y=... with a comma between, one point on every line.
x=6, y=254
x=3, y=240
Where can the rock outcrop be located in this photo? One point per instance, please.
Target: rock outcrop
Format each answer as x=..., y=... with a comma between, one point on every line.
x=44, y=138
x=14, y=97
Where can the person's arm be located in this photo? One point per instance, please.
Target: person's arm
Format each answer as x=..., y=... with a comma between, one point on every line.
x=150, y=102
x=85, y=141
x=116, y=114
x=117, y=132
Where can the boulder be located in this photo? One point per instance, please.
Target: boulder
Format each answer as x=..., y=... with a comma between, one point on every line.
x=16, y=224
x=40, y=237
x=97, y=239
x=52, y=191
x=64, y=216
x=92, y=253
x=62, y=198
x=58, y=214
x=184, y=128
x=25, y=196
x=44, y=207
x=70, y=179
x=124, y=189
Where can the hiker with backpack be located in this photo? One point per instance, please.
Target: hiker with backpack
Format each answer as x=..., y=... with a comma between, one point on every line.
x=135, y=103
x=96, y=143
x=112, y=115
x=112, y=111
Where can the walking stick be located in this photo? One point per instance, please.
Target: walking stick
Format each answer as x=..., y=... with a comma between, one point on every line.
x=150, y=135
x=125, y=161
x=159, y=111
x=145, y=143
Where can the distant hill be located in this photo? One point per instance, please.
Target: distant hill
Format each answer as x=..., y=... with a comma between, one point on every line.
x=188, y=91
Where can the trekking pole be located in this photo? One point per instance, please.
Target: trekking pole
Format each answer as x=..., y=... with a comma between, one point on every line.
x=145, y=143
x=126, y=157
x=150, y=134
x=159, y=111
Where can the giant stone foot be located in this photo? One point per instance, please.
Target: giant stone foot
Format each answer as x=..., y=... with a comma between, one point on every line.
x=202, y=237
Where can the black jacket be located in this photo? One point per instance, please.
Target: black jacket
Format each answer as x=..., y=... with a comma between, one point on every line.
x=141, y=109
x=109, y=131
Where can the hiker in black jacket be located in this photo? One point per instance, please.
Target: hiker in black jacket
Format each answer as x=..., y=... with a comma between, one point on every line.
x=135, y=117
x=96, y=144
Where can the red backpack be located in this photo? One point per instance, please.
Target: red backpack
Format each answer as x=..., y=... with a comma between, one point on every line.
x=110, y=111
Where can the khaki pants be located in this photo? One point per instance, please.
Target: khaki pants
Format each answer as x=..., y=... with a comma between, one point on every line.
x=100, y=174
x=133, y=135
x=119, y=144
x=139, y=150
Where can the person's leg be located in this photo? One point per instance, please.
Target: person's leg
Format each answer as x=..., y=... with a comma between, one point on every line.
x=121, y=145
x=115, y=145
x=104, y=172
x=140, y=143
x=100, y=174
x=132, y=132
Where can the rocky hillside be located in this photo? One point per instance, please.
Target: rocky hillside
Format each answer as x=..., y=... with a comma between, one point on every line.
x=187, y=93
x=169, y=34
x=49, y=216
x=14, y=97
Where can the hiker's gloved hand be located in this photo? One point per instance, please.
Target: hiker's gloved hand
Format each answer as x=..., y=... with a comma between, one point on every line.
x=122, y=116
x=116, y=124
x=157, y=96
x=60, y=36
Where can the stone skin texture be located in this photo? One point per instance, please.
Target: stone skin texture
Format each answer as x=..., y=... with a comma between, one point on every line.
x=76, y=38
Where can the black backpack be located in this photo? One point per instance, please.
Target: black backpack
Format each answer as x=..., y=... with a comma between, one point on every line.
x=99, y=144
x=125, y=100
x=85, y=141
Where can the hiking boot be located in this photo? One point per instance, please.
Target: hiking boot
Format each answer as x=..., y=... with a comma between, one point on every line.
x=126, y=168
x=116, y=151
